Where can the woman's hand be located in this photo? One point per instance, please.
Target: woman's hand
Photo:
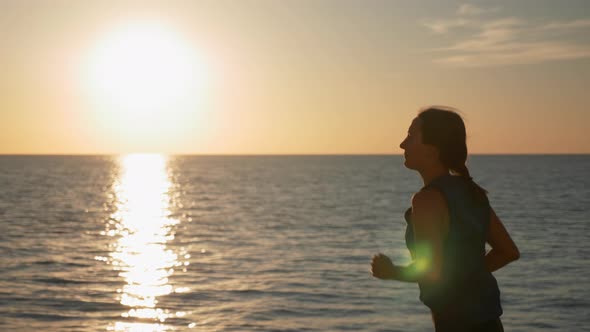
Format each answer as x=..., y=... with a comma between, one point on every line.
x=382, y=267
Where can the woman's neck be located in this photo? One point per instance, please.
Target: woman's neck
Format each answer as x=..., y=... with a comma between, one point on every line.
x=432, y=173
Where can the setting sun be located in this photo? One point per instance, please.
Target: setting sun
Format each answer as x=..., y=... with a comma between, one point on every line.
x=144, y=74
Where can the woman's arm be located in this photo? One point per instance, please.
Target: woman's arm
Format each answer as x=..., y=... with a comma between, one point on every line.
x=430, y=222
x=504, y=250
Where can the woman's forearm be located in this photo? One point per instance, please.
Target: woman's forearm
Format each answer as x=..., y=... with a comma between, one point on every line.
x=495, y=260
x=407, y=273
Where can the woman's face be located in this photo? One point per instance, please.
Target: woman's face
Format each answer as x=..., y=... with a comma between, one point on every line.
x=417, y=154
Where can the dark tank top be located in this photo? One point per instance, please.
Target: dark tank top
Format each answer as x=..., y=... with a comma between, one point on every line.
x=467, y=291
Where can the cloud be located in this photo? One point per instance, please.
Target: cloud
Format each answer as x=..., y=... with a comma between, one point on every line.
x=469, y=9
x=517, y=53
x=499, y=41
x=576, y=24
x=444, y=26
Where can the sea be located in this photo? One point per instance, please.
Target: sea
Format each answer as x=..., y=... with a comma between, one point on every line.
x=146, y=242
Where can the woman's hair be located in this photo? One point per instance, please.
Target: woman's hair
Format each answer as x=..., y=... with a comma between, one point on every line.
x=444, y=129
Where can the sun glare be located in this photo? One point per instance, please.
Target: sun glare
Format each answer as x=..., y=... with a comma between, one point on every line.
x=141, y=230
x=144, y=72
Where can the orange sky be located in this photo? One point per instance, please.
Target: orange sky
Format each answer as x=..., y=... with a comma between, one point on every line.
x=289, y=77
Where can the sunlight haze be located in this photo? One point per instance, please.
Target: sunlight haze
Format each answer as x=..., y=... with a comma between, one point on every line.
x=290, y=77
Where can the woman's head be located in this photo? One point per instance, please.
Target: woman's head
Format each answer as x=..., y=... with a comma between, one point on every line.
x=445, y=130
x=437, y=136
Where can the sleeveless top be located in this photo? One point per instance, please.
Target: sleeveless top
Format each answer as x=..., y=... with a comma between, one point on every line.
x=467, y=291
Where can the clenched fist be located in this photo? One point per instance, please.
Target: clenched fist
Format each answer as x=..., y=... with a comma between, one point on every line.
x=382, y=267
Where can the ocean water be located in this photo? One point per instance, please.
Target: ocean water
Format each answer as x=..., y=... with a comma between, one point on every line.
x=275, y=243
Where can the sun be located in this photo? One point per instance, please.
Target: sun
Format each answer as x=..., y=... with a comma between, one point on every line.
x=142, y=73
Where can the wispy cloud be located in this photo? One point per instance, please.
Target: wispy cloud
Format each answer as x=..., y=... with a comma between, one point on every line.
x=444, y=26
x=478, y=41
x=470, y=9
x=576, y=24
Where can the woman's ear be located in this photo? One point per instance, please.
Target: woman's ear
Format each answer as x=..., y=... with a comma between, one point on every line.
x=433, y=151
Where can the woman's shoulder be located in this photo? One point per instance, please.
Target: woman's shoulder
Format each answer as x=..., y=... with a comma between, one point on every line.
x=430, y=212
x=429, y=199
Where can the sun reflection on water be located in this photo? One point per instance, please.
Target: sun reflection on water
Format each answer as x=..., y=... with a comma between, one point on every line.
x=142, y=228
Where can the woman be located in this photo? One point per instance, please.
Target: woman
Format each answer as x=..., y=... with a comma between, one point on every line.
x=447, y=227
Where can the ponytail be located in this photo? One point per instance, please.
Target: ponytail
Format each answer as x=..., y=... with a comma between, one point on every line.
x=479, y=192
x=444, y=129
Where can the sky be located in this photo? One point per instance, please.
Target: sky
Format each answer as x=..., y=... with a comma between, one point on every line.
x=290, y=77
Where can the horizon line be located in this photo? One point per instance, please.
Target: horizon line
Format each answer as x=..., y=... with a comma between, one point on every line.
x=279, y=154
